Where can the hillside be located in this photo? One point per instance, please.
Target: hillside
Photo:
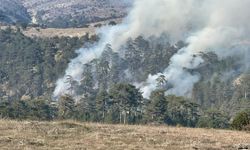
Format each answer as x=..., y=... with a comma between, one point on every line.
x=12, y=11
x=75, y=135
x=30, y=67
x=60, y=13
x=74, y=13
x=32, y=70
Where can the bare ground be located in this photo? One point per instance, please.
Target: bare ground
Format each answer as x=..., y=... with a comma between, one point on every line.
x=74, y=135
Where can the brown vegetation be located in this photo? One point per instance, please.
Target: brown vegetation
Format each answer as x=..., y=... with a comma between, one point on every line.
x=63, y=32
x=52, y=32
x=67, y=32
x=75, y=135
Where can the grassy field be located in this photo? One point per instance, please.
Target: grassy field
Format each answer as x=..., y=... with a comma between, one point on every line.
x=74, y=135
x=52, y=32
x=68, y=32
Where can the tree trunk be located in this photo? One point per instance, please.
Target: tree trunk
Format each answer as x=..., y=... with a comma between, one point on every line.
x=124, y=119
x=103, y=115
x=245, y=94
x=120, y=117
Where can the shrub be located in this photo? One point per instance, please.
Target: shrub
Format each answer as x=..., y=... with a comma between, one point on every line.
x=213, y=119
x=242, y=119
x=246, y=128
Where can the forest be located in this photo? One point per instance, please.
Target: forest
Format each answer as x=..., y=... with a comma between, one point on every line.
x=29, y=68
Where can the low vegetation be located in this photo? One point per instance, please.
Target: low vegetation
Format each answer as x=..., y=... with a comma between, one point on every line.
x=242, y=121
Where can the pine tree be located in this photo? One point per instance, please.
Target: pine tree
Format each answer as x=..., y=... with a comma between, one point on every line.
x=158, y=106
x=128, y=99
x=101, y=103
x=66, y=107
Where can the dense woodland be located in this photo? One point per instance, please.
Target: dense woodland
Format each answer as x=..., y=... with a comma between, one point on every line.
x=29, y=68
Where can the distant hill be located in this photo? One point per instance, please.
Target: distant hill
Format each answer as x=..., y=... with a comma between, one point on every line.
x=12, y=11
x=74, y=13
x=61, y=13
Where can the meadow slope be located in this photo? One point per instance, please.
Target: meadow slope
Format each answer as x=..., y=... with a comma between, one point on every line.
x=75, y=135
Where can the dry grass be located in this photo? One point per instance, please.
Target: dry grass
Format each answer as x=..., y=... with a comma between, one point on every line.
x=69, y=32
x=52, y=32
x=60, y=32
x=74, y=135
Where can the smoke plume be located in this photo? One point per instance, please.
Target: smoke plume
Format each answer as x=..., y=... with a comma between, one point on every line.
x=205, y=25
x=222, y=28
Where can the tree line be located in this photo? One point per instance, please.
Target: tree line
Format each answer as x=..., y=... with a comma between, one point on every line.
x=124, y=104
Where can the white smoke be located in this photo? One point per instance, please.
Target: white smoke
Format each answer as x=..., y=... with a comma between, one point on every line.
x=206, y=25
x=224, y=28
x=85, y=55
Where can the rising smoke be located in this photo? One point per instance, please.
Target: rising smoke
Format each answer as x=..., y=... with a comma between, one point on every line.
x=205, y=25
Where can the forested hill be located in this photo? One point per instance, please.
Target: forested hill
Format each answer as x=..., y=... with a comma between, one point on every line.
x=29, y=68
x=13, y=11
x=74, y=13
x=60, y=13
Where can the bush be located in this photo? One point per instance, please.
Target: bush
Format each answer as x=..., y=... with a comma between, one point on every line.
x=204, y=122
x=208, y=122
x=213, y=119
x=246, y=128
x=112, y=23
x=241, y=120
